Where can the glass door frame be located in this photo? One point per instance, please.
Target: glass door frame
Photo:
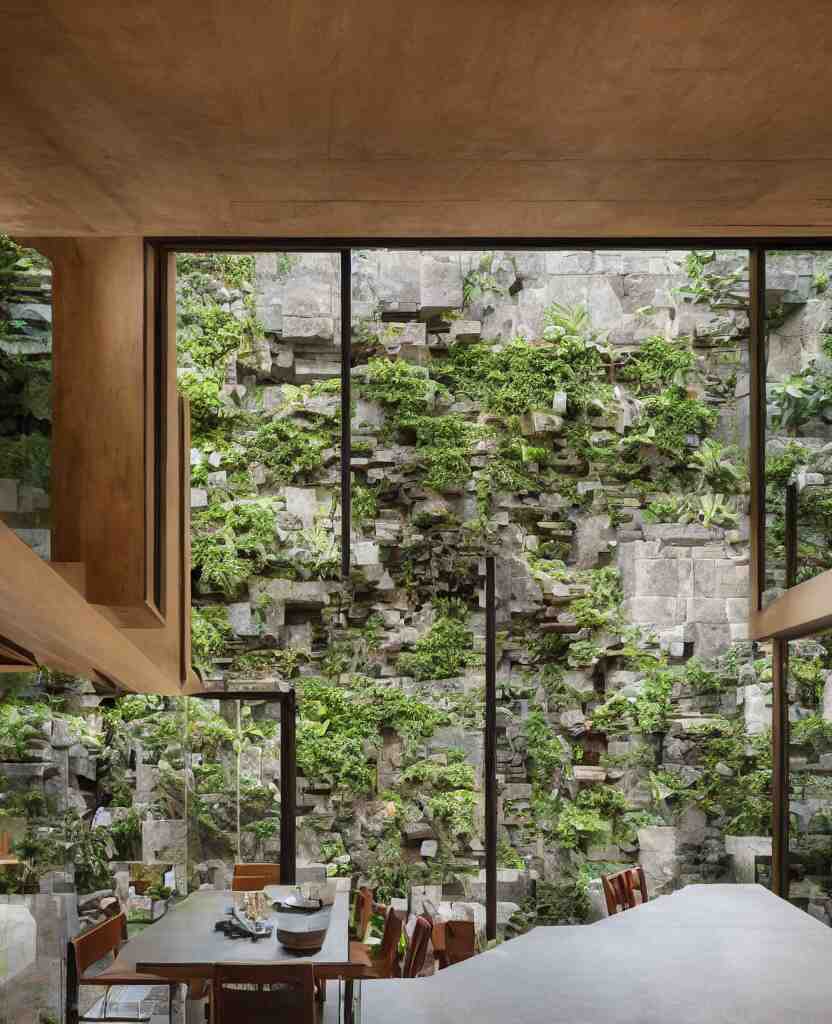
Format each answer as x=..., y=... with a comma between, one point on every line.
x=288, y=767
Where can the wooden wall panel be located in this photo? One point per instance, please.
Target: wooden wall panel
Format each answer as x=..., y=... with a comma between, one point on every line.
x=120, y=478
x=102, y=419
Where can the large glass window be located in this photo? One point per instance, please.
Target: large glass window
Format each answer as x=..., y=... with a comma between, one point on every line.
x=810, y=763
x=798, y=418
x=25, y=393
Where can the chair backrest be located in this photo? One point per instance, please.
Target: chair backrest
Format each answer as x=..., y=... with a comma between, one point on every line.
x=363, y=911
x=417, y=948
x=429, y=911
x=460, y=941
x=388, y=951
x=95, y=944
x=264, y=992
x=620, y=889
x=270, y=871
x=249, y=883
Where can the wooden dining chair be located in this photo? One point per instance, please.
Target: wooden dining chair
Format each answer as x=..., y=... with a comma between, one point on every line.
x=6, y=847
x=620, y=889
x=362, y=912
x=125, y=990
x=249, y=883
x=380, y=961
x=417, y=949
x=268, y=871
x=264, y=993
x=460, y=942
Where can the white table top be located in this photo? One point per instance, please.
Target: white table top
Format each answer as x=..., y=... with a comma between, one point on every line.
x=709, y=954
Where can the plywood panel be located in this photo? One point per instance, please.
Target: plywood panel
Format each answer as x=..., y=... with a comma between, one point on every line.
x=397, y=118
x=43, y=613
x=102, y=424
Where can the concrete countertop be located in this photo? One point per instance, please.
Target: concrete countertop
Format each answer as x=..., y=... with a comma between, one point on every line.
x=709, y=954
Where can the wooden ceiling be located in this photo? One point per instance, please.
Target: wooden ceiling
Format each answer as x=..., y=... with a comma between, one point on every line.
x=424, y=117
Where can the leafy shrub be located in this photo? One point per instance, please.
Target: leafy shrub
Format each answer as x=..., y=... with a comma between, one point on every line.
x=443, y=651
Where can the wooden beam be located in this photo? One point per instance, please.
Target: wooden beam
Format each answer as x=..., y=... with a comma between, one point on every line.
x=44, y=614
x=799, y=611
x=14, y=658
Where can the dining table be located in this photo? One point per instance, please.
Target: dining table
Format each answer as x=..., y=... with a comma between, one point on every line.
x=184, y=945
x=184, y=941
x=707, y=954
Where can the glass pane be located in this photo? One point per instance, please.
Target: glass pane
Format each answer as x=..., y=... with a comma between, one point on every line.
x=213, y=796
x=258, y=344
x=25, y=393
x=259, y=778
x=799, y=419
x=583, y=414
x=810, y=762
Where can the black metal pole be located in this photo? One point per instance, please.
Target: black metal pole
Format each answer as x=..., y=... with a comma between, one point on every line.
x=490, y=751
x=780, y=766
x=346, y=410
x=757, y=419
x=288, y=788
x=791, y=534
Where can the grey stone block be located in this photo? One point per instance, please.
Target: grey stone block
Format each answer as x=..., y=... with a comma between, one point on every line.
x=662, y=577
x=440, y=281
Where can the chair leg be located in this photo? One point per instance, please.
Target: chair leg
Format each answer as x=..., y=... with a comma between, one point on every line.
x=348, y=1000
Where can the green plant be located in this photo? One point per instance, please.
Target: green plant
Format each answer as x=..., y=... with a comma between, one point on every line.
x=812, y=731
x=712, y=462
x=580, y=826
x=364, y=505
x=157, y=891
x=444, y=650
x=716, y=510
x=456, y=774
x=669, y=419
x=659, y=363
x=455, y=810
x=389, y=875
x=547, y=751
x=232, y=541
x=508, y=857
x=801, y=397
x=210, y=632
x=20, y=723
x=564, y=902
x=89, y=848
x=708, y=283
x=480, y=280
x=126, y=833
